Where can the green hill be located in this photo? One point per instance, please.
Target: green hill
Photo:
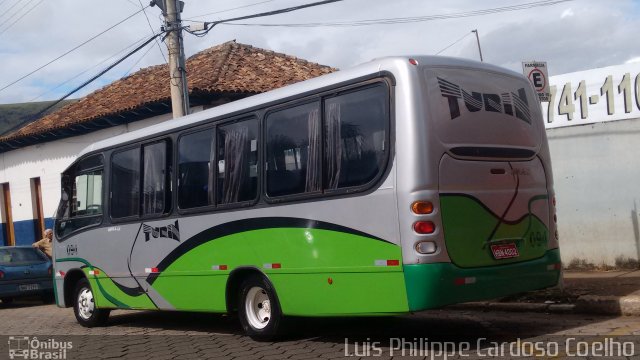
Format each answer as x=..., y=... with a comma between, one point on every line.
x=14, y=116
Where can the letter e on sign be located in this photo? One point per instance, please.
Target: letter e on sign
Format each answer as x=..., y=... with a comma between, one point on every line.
x=536, y=72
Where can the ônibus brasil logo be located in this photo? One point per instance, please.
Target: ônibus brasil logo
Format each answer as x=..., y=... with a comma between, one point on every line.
x=508, y=103
x=24, y=347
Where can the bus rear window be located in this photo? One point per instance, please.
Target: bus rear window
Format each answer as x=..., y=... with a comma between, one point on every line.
x=478, y=109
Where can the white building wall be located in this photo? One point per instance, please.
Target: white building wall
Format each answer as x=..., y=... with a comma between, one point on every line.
x=47, y=161
x=593, y=126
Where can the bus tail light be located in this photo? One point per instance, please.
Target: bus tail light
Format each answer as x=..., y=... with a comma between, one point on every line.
x=424, y=227
x=426, y=247
x=422, y=207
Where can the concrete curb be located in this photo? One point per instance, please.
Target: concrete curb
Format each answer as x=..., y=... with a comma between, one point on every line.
x=588, y=304
x=609, y=305
x=517, y=307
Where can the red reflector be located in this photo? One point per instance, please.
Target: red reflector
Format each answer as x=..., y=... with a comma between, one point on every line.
x=424, y=227
x=459, y=281
x=276, y=266
x=393, y=262
x=413, y=61
x=223, y=267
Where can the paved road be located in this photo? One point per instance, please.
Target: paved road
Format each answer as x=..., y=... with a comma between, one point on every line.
x=166, y=335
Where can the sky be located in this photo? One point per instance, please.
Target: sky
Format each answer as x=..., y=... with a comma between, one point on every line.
x=571, y=36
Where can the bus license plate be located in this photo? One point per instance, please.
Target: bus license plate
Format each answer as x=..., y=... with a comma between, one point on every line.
x=504, y=251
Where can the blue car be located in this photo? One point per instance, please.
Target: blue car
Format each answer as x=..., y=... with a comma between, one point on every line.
x=24, y=271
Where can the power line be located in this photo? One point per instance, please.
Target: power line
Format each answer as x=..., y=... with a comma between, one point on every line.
x=138, y=61
x=11, y=7
x=23, y=15
x=37, y=116
x=152, y=31
x=209, y=25
x=70, y=51
x=404, y=20
x=90, y=68
x=453, y=43
x=227, y=10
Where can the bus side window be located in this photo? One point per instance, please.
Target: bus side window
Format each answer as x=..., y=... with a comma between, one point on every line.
x=81, y=202
x=293, y=150
x=355, y=131
x=155, y=199
x=237, y=162
x=194, y=170
x=125, y=183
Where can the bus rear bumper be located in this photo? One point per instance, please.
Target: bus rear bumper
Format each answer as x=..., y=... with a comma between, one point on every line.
x=435, y=285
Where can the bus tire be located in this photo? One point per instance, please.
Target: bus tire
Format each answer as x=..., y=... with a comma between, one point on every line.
x=259, y=311
x=84, y=307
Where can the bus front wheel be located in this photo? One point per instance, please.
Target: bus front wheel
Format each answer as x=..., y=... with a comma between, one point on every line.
x=259, y=310
x=84, y=306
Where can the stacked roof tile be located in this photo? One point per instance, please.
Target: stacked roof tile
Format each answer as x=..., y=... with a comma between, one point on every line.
x=229, y=68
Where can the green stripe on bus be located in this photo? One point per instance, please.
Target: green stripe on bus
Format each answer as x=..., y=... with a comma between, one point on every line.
x=308, y=259
x=109, y=295
x=467, y=226
x=434, y=285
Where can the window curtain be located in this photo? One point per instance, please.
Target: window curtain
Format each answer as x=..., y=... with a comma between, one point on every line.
x=236, y=148
x=334, y=146
x=312, y=181
x=154, y=178
x=213, y=171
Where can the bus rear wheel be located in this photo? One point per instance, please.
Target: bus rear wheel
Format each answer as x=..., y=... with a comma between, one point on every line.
x=84, y=306
x=258, y=309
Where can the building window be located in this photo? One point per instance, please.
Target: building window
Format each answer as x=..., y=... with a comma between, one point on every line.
x=195, y=180
x=125, y=183
x=293, y=150
x=355, y=134
x=237, y=166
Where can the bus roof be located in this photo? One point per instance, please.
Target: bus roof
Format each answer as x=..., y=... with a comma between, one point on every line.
x=391, y=64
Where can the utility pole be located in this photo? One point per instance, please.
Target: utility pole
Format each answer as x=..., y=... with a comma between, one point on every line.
x=171, y=10
x=478, y=40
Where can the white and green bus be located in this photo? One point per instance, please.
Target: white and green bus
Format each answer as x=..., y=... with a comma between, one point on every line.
x=399, y=185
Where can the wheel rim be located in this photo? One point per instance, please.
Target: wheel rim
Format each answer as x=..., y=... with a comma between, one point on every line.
x=258, y=307
x=86, y=306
